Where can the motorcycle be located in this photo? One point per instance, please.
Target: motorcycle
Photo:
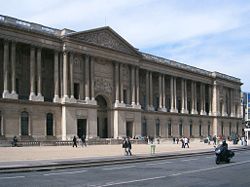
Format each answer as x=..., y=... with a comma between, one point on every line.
x=223, y=155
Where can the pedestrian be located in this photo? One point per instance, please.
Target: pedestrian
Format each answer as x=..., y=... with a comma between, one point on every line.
x=83, y=138
x=214, y=140
x=14, y=142
x=182, y=143
x=186, y=141
x=127, y=146
x=74, y=141
x=173, y=140
x=177, y=140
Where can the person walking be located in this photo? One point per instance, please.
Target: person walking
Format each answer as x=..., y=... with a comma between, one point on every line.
x=83, y=138
x=186, y=141
x=74, y=141
x=127, y=146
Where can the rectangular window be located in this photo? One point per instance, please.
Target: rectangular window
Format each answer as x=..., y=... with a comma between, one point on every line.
x=222, y=129
x=180, y=130
x=208, y=130
x=169, y=129
x=157, y=129
x=200, y=130
x=230, y=129
x=191, y=130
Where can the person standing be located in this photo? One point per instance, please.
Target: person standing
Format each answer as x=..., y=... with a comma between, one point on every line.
x=83, y=138
x=74, y=141
x=127, y=146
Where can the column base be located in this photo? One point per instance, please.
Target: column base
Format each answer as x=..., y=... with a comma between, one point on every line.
x=150, y=108
x=232, y=115
x=32, y=96
x=65, y=99
x=162, y=109
x=225, y=114
x=56, y=99
x=39, y=97
x=194, y=112
x=72, y=99
x=12, y=95
x=173, y=110
x=117, y=105
x=203, y=113
x=184, y=111
x=136, y=106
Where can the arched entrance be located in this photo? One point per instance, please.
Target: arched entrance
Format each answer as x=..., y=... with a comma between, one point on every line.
x=102, y=117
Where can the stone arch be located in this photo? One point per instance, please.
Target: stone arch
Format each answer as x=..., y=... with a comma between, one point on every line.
x=103, y=119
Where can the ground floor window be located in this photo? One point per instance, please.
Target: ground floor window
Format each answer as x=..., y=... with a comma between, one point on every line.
x=208, y=129
x=144, y=128
x=157, y=128
x=169, y=128
x=24, y=123
x=222, y=128
x=180, y=129
x=49, y=124
x=1, y=124
x=200, y=129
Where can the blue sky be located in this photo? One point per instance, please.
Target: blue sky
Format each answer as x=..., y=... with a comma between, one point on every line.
x=208, y=34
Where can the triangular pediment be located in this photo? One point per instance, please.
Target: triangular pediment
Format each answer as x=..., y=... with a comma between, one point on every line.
x=105, y=37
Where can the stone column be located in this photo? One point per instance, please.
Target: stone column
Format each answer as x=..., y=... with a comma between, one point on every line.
x=163, y=94
x=210, y=99
x=182, y=96
x=71, y=71
x=116, y=84
x=32, y=73
x=137, y=87
x=173, y=94
x=121, y=83
x=224, y=104
x=133, y=84
x=185, y=95
x=39, y=77
x=56, y=78
x=202, y=99
x=215, y=100
x=92, y=71
x=65, y=76
x=61, y=73
x=151, y=91
x=160, y=92
x=232, y=103
x=87, y=59
x=147, y=91
x=194, y=99
x=6, y=69
x=13, y=70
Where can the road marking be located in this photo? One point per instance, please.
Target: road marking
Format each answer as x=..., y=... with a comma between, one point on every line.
x=117, y=168
x=208, y=169
x=132, y=181
x=63, y=173
x=172, y=175
x=159, y=163
x=189, y=160
x=210, y=157
x=15, y=177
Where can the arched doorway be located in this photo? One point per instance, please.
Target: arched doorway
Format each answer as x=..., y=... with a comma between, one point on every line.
x=102, y=117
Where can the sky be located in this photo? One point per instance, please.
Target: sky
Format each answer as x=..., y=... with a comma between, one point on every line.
x=209, y=34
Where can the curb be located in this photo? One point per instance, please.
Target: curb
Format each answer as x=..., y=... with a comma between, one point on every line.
x=105, y=162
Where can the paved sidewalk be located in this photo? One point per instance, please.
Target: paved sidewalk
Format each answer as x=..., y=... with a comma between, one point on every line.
x=28, y=157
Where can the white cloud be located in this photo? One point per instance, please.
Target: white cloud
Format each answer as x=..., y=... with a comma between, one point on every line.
x=212, y=35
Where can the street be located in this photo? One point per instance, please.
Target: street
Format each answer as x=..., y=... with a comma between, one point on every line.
x=189, y=171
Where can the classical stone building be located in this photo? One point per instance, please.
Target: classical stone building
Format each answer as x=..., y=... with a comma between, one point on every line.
x=60, y=83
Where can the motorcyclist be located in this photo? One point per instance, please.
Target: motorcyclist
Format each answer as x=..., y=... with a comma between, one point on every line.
x=224, y=145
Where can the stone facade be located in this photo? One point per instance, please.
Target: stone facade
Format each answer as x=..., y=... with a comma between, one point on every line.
x=59, y=83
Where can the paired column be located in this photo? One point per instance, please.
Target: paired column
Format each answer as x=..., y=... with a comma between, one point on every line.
x=194, y=98
x=162, y=106
x=173, y=94
x=65, y=77
x=184, y=96
x=202, y=99
x=56, y=77
x=33, y=60
x=210, y=100
x=6, y=61
x=232, y=103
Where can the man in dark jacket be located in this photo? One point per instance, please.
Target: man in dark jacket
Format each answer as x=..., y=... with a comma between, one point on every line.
x=127, y=146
